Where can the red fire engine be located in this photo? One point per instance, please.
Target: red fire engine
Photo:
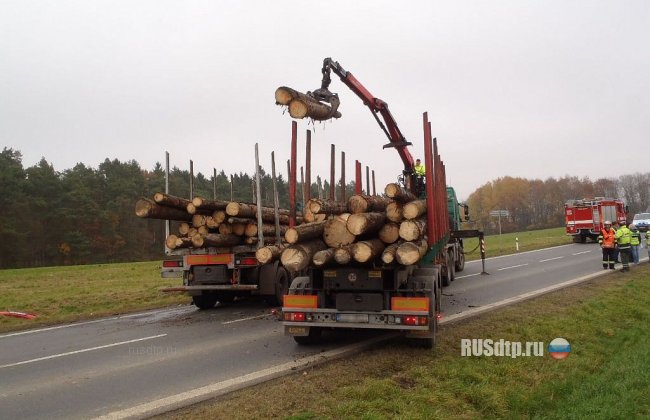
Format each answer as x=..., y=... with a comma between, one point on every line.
x=584, y=218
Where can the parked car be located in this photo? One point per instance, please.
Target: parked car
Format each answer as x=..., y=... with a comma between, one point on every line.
x=642, y=221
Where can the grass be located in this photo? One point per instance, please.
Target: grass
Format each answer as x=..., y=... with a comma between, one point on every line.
x=606, y=320
x=72, y=293
x=506, y=243
x=65, y=294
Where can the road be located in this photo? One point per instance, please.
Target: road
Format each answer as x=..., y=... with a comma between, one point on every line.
x=93, y=368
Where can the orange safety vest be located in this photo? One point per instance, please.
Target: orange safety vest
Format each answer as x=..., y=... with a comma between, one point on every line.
x=609, y=238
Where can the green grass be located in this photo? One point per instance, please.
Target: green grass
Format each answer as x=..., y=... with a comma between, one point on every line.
x=607, y=322
x=506, y=243
x=64, y=294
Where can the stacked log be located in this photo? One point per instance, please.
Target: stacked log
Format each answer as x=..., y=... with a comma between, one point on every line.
x=365, y=230
x=213, y=223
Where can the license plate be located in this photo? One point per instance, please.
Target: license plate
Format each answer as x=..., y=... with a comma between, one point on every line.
x=361, y=318
x=298, y=330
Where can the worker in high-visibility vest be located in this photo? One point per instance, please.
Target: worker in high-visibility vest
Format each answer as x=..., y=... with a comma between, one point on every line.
x=635, y=243
x=607, y=241
x=623, y=243
x=419, y=168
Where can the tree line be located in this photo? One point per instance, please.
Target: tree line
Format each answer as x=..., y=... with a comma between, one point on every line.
x=537, y=204
x=86, y=215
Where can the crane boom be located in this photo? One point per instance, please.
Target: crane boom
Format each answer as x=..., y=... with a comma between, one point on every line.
x=376, y=106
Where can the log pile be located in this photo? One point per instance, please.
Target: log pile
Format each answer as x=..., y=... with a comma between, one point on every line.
x=366, y=230
x=207, y=223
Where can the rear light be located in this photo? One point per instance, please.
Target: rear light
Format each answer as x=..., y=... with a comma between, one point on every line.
x=415, y=320
x=294, y=316
x=172, y=263
x=246, y=261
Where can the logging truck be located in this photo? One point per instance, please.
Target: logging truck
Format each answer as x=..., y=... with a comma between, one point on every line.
x=214, y=245
x=380, y=262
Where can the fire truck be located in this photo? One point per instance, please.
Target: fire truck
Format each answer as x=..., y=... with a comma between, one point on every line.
x=584, y=218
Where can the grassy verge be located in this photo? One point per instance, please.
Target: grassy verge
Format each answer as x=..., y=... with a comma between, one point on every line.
x=64, y=294
x=506, y=243
x=607, y=322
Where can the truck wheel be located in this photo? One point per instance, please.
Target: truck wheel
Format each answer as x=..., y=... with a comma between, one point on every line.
x=314, y=337
x=204, y=302
x=281, y=283
x=451, y=264
x=460, y=262
x=226, y=297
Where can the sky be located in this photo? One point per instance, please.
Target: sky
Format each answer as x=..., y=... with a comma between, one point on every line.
x=531, y=89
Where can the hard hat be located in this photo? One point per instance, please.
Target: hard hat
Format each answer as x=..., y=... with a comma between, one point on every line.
x=607, y=222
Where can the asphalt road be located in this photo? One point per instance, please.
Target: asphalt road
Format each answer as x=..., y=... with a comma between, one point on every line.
x=90, y=369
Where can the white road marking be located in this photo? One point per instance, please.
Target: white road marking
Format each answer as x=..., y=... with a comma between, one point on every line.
x=512, y=266
x=519, y=253
x=55, y=356
x=583, y=252
x=468, y=275
x=551, y=259
x=244, y=319
x=95, y=321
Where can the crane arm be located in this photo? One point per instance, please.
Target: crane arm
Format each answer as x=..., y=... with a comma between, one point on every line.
x=376, y=106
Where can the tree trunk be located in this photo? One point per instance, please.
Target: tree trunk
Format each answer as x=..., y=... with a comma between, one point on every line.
x=396, y=192
x=216, y=240
x=210, y=223
x=202, y=230
x=414, y=209
x=305, y=231
x=253, y=240
x=343, y=255
x=367, y=204
x=267, y=230
x=412, y=230
x=250, y=211
x=269, y=253
x=323, y=206
x=394, y=212
x=410, y=253
x=170, y=201
x=238, y=229
x=284, y=95
x=388, y=256
x=298, y=256
x=219, y=216
x=335, y=232
x=365, y=251
x=192, y=209
x=389, y=233
x=310, y=217
x=225, y=228
x=364, y=223
x=323, y=257
x=198, y=220
x=183, y=228
x=243, y=220
x=204, y=203
x=148, y=209
x=175, y=242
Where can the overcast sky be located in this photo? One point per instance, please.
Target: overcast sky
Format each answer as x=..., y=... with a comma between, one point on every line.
x=534, y=89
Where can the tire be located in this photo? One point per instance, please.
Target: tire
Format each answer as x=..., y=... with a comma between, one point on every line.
x=460, y=263
x=451, y=264
x=314, y=337
x=281, y=285
x=204, y=302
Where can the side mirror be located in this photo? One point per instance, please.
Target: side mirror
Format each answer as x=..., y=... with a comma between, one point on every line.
x=466, y=211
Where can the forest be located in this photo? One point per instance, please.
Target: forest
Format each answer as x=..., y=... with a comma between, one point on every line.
x=86, y=215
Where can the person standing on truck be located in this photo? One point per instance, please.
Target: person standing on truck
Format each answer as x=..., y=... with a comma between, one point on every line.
x=623, y=240
x=635, y=243
x=419, y=168
x=607, y=242
x=420, y=173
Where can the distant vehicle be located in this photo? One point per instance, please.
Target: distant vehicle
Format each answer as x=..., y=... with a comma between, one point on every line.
x=585, y=218
x=642, y=221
